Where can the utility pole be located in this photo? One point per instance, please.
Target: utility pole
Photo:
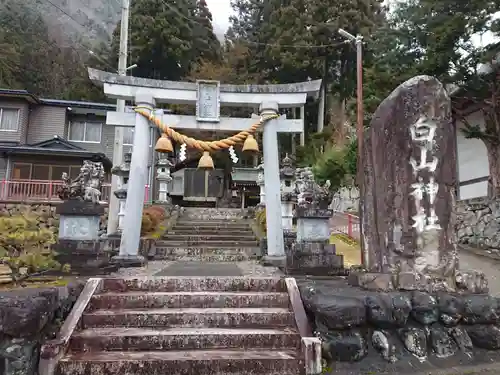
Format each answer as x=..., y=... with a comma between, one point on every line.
x=120, y=107
x=358, y=40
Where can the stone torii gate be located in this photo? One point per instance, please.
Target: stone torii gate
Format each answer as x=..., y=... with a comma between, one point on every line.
x=208, y=97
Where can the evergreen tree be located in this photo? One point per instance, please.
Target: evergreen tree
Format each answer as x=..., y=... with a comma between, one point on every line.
x=206, y=46
x=161, y=38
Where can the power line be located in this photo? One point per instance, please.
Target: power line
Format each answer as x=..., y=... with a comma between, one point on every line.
x=85, y=27
x=170, y=6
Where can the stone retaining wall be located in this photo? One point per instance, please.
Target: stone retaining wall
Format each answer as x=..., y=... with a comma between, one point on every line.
x=478, y=223
x=28, y=318
x=46, y=212
x=372, y=332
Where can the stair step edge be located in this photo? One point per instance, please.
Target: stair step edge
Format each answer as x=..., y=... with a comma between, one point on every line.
x=185, y=355
x=180, y=331
x=193, y=310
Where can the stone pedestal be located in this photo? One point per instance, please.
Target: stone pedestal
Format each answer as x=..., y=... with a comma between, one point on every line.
x=311, y=253
x=79, y=220
x=313, y=224
x=79, y=244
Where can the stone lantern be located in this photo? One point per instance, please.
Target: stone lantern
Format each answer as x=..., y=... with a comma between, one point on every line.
x=123, y=173
x=288, y=195
x=163, y=177
x=261, y=184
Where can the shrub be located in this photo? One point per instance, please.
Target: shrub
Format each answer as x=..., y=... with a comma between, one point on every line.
x=260, y=218
x=157, y=210
x=147, y=224
x=25, y=246
x=152, y=218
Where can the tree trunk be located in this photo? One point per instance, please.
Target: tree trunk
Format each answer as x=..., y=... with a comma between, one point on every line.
x=493, y=150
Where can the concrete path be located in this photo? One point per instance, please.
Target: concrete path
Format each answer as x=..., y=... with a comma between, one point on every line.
x=193, y=269
x=489, y=266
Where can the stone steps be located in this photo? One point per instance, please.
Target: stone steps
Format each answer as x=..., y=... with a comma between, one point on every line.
x=208, y=227
x=205, y=253
x=202, y=362
x=211, y=236
x=207, y=232
x=190, y=317
x=152, y=339
x=193, y=284
x=217, y=299
x=187, y=326
x=213, y=243
x=212, y=214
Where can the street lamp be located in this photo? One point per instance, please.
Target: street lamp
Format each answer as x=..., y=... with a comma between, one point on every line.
x=358, y=40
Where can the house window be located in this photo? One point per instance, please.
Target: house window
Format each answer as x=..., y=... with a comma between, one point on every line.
x=42, y=172
x=128, y=136
x=21, y=171
x=90, y=132
x=9, y=119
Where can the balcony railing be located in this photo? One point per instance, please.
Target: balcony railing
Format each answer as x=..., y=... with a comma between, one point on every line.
x=342, y=222
x=44, y=191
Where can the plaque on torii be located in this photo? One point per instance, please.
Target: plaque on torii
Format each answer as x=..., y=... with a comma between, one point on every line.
x=207, y=101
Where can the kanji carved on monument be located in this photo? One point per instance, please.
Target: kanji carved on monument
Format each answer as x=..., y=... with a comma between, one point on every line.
x=409, y=184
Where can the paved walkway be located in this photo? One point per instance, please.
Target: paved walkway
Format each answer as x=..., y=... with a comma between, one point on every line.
x=172, y=268
x=490, y=267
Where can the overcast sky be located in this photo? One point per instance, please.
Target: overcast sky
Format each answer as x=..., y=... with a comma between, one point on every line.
x=221, y=10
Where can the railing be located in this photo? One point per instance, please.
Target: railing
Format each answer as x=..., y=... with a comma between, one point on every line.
x=342, y=222
x=44, y=191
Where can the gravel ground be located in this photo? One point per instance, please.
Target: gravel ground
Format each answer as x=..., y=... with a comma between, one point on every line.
x=248, y=268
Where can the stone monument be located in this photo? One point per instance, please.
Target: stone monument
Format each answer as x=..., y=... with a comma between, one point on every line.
x=80, y=214
x=410, y=304
x=288, y=195
x=312, y=252
x=409, y=158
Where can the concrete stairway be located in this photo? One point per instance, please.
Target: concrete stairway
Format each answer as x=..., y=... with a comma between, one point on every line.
x=187, y=326
x=209, y=235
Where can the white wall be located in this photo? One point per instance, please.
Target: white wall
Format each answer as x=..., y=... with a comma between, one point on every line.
x=472, y=160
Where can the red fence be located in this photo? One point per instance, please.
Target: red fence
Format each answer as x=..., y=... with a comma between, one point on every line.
x=342, y=222
x=43, y=191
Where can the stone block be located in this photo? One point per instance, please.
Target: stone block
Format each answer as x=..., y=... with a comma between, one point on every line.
x=79, y=220
x=79, y=227
x=410, y=330
x=372, y=281
x=313, y=258
x=86, y=257
x=79, y=208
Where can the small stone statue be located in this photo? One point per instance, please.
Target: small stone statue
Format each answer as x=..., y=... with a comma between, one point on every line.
x=309, y=192
x=86, y=186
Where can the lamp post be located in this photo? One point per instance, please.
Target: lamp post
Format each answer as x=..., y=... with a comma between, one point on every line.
x=358, y=40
